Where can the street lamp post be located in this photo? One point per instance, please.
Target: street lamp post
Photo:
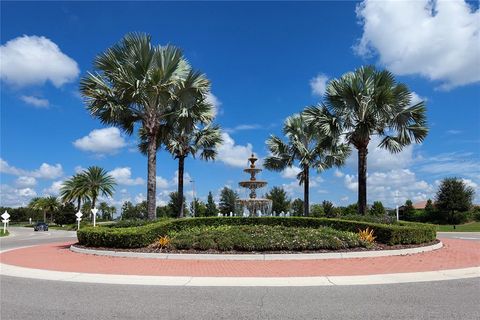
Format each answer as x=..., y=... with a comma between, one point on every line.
x=396, y=204
x=194, y=202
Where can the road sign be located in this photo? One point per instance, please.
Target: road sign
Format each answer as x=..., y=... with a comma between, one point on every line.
x=94, y=211
x=79, y=218
x=5, y=215
x=5, y=220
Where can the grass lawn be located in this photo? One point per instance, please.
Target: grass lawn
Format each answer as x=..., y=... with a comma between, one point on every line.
x=467, y=227
x=3, y=234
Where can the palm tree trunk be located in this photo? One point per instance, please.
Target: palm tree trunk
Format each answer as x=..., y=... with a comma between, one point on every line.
x=306, y=192
x=181, y=168
x=79, y=203
x=45, y=216
x=152, y=172
x=362, y=180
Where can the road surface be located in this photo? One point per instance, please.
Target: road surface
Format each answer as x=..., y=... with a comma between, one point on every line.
x=27, y=299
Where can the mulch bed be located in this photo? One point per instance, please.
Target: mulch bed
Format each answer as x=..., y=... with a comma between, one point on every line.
x=153, y=249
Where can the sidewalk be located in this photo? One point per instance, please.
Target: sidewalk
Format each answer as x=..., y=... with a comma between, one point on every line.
x=456, y=254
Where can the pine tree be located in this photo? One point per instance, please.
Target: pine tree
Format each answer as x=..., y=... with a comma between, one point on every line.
x=228, y=197
x=280, y=201
x=377, y=209
x=297, y=207
x=211, y=206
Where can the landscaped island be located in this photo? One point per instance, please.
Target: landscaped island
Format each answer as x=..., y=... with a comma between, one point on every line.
x=256, y=234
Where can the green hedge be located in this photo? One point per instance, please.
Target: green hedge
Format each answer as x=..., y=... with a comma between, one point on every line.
x=263, y=238
x=135, y=237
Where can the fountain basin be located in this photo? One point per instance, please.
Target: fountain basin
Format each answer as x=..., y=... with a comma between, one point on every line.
x=253, y=206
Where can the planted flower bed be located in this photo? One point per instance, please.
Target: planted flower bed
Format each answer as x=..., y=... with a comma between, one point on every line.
x=402, y=233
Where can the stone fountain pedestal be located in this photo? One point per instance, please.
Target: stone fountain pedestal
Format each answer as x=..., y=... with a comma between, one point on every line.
x=254, y=206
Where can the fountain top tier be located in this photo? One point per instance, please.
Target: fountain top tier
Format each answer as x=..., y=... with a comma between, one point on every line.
x=253, y=183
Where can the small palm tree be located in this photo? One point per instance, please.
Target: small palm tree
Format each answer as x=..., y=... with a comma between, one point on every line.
x=306, y=146
x=139, y=83
x=45, y=204
x=369, y=102
x=71, y=190
x=94, y=182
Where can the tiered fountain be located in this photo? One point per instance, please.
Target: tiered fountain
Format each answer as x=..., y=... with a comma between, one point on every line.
x=254, y=206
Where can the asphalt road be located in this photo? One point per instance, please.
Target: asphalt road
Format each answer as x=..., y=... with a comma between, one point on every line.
x=38, y=299
x=22, y=237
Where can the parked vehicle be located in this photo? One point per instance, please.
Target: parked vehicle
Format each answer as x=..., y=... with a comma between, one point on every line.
x=41, y=226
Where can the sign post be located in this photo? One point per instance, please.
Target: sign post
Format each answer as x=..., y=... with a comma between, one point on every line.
x=79, y=218
x=5, y=219
x=94, y=211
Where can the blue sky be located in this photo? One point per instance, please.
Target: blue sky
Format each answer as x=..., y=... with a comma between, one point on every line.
x=266, y=61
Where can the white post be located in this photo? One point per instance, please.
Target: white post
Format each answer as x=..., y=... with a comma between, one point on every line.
x=5, y=220
x=94, y=211
x=396, y=209
x=29, y=220
x=194, y=202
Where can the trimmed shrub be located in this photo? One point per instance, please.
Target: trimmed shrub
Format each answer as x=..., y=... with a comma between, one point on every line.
x=263, y=238
x=134, y=237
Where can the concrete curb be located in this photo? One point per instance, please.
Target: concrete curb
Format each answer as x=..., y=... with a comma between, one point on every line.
x=261, y=257
x=376, y=279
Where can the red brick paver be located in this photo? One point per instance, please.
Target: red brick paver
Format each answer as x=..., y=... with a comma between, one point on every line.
x=455, y=254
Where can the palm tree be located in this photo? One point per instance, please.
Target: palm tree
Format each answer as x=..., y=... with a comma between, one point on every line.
x=45, y=204
x=309, y=148
x=71, y=190
x=369, y=102
x=106, y=210
x=191, y=133
x=94, y=182
x=138, y=83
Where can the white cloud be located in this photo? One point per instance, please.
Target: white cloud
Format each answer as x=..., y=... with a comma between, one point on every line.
x=215, y=102
x=454, y=132
x=243, y=127
x=291, y=172
x=36, y=102
x=470, y=183
x=416, y=98
x=319, y=84
x=32, y=60
x=25, y=181
x=232, y=154
x=393, y=187
x=139, y=198
x=15, y=197
x=123, y=176
x=46, y=171
x=382, y=159
x=79, y=169
x=453, y=164
x=436, y=39
x=101, y=141
x=54, y=188
x=162, y=183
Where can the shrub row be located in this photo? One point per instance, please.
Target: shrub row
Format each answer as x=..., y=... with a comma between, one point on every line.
x=135, y=237
x=263, y=238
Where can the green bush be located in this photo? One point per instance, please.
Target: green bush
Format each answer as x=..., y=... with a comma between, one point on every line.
x=134, y=237
x=2, y=234
x=263, y=238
